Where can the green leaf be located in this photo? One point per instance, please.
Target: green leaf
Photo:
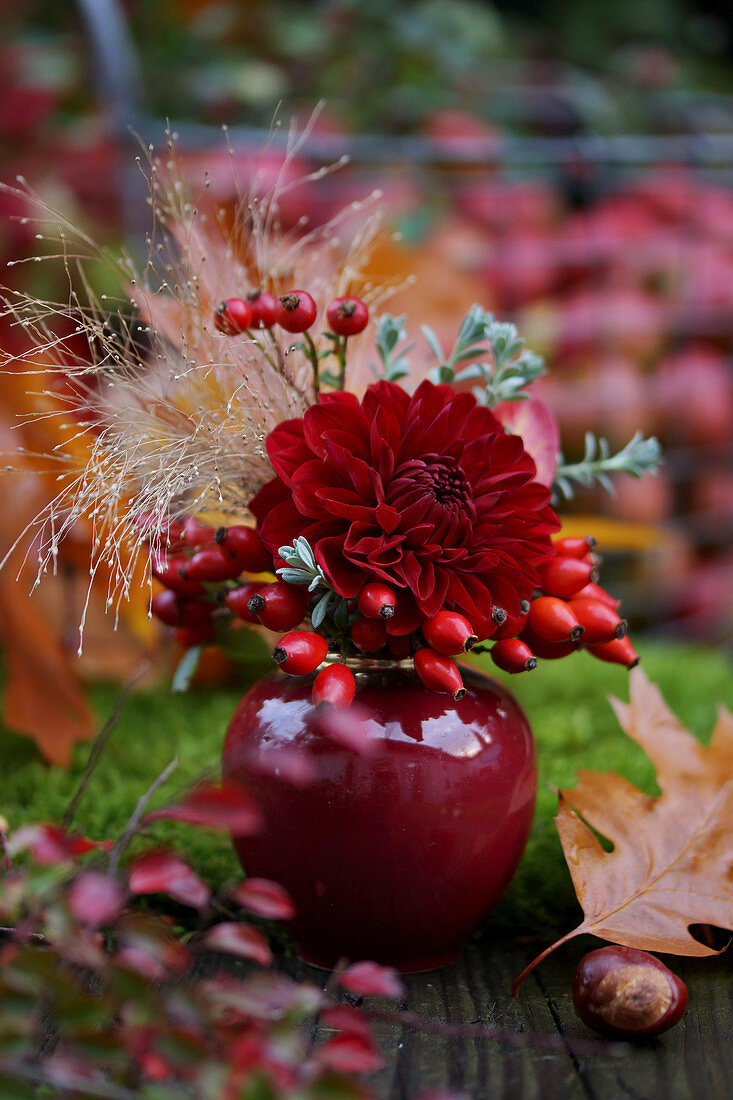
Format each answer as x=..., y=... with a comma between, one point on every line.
x=341, y=615
x=186, y=669
x=390, y=339
x=295, y=576
x=318, y=614
x=640, y=456
x=434, y=343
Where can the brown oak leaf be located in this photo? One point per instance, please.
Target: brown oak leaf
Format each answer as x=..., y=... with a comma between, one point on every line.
x=671, y=865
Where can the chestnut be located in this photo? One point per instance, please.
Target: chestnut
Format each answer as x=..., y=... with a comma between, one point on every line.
x=624, y=993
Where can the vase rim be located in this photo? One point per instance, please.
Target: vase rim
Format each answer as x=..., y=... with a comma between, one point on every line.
x=366, y=662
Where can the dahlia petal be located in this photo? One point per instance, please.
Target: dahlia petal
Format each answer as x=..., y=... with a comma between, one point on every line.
x=346, y=503
x=351, y=470
x=287, y=448
x=385, y=395
x=388, y=518
x=281, y=525
x=407, y=616
x=346, y=578
x=273, y=492
x=306, y=481
x=336, y=411
x=384, y=439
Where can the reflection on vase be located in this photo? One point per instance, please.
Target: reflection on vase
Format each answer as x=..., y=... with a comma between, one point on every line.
x=396, y=856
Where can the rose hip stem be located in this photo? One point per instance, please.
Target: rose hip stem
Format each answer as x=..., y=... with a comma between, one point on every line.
x=312, y=354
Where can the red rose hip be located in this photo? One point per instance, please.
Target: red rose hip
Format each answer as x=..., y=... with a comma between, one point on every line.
x=233, y=316
x=599, y=621
x=563, y=576
x=574, y=547
x=551, y=619
x=243, y=545
x=263, y=307
x=619, y=652
x=279, y=606
x=347, y=316
x=334, y=685
x=210, y=565
x=300, y=652
x=296, y=311
x=450, y=633
x=377, y=601
x=369, y=635
x=237, y=600
x=439, y=673
x=513, y=655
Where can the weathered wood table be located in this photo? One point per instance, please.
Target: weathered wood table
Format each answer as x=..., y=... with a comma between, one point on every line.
x=693, y=1060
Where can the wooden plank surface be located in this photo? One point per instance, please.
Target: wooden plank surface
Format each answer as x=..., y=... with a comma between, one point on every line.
x=694, y=1061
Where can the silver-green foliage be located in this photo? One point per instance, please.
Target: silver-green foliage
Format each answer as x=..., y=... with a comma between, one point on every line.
x=640, y=456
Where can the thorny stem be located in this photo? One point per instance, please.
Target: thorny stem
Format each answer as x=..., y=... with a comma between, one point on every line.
x=137, y=814
x=313, y=356
x=100, y=742
x=278, y=349
x=282, y=367
x=341, y=354
x=256, y=342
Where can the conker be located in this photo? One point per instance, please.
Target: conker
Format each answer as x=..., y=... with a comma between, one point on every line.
x=624, y=993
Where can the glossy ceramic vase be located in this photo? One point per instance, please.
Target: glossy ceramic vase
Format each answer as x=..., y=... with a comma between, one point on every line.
x=396, y=856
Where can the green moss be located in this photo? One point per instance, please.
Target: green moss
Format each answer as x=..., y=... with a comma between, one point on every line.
x=566, y=702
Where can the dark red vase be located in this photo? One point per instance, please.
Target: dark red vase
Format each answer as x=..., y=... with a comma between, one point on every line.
x=397, y=856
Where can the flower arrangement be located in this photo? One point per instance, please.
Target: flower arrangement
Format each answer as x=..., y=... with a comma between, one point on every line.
x=409, y=518
x=402, y=525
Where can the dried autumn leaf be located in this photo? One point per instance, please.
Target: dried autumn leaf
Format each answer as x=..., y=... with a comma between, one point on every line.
x=672, y=860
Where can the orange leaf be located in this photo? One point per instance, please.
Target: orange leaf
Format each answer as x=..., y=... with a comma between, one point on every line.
x=43, y=698
x=672, y=860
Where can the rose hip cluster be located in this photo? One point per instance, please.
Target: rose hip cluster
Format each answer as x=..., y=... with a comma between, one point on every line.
x=570, y=612
x=197, y=570
x=294, y=311
x=202, y=575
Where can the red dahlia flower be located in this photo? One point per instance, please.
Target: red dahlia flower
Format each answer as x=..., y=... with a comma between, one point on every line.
x=425, y=492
